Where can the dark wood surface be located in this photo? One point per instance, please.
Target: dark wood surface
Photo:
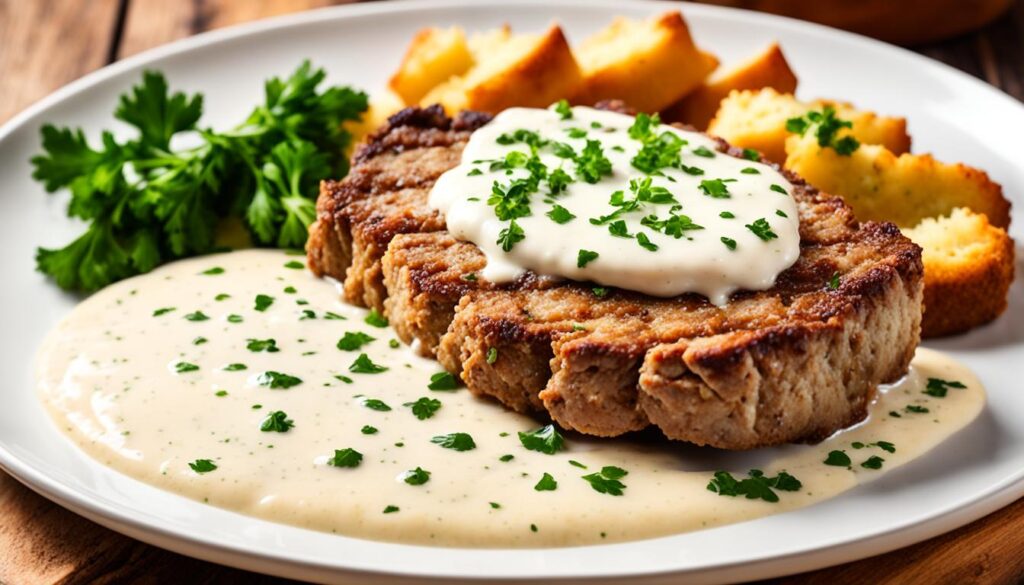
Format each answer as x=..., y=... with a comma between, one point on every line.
x=45, y=44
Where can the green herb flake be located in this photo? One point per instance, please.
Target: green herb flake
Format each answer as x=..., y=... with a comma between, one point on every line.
x=222, y=297
x=346, y=457
x=353, y=340
x=277, y=380
x=213, y=271
x=563, y=109
x=220, y=393
x=368, y=430
x=235, y=318
x=756, y=486
x=704, y=152
x=163, y=311
x=277, y=422
x=750, y=171
x=364, y=365
x=779, y=189
x=873, y=462
x=234, y=367
x=885, y=446
x=506, y=458
x=762, y=229
x=727, y=215
x=729, y=242
x=715, y=188
x=290, y=290
x=199, y=340
x=375, y=319
x=202, y=465
x=938, y=388
x=547, y=483
x=455, y=441
x=751, y=154
x=837, y=459
x=584, y=257
x=545, y=439
x=258, y=345
x=495, y=505
x=418, y=476
x=263, y=302
x=560, y=215
x=510, y=236
x=182, y=367
x=575, y=463
x=833, y=281
x=492, y=355
x=442, y=381
x=607, y=480
x=917, y=409
x=424, y=407
x=375, y=404
x=390, y=509
x=294, y=265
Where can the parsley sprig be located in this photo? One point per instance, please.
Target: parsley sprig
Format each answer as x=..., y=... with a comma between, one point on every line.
x=826, y=127
x=147, y=203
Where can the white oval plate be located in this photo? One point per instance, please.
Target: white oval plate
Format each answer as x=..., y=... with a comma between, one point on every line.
x=951, y=114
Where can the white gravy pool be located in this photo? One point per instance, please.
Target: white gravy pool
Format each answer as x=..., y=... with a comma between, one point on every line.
x=108, y=375
x=743, y=226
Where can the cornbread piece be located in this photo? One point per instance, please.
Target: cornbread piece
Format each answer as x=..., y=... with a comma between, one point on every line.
x=511, y=70
x=757, y=120
x=384, y=194
x=905, y=189
x=433, y=56
x=968, y=270
x=768, y=68
x=649, y=64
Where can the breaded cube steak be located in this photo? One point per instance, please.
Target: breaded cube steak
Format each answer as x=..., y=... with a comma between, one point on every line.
x=792, y=363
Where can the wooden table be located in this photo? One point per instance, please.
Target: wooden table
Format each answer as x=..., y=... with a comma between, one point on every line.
x=44, y=44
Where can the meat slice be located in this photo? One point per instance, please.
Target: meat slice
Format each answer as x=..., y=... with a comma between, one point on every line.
x=792, y=363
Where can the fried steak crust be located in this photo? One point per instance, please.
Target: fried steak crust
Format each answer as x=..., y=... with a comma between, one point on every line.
x=795, y=362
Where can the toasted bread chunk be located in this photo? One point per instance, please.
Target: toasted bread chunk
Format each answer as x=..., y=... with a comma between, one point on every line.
x=511, y=70
x=768, y=68
x=757, y=120
x=968, y=269
x=905, y=189
x=433, y=56
x=648, y=64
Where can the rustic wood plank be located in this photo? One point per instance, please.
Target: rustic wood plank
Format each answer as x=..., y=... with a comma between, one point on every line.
x=45, y=44
x=150, y=23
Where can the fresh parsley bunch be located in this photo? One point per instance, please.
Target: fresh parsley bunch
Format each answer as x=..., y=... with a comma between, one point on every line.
x=147, y=202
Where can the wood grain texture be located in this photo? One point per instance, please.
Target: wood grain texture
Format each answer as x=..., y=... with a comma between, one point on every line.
x=47, y=43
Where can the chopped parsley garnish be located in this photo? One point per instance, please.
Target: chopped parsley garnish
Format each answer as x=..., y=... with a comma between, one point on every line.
x=885, y=446
x=222, y=297
x=575, y=463
x=442, y=381
x=750, y=171
x=390, y=509
x=342, y=378
x=727, y=215
x=704, y=151
x=762, y=229
x=506, y=458
x=182, y=367
x=729, y=242
x=547, y=483
x=375, y=319
x=917, y=409
x=510, y=236
x=346, y=457
x=331, y=316
x=235, y=318
x=751, y=154
x=235, y=367
x=197, y=316
x=837, y=459
x=545, y=439
x=780, y=213
x=607, y=481
x=290, y=290
x=163, y=311
x=353, y=340
x=375, y=404
x=277, y=380
x=826, y=127
x=657, y=151
x=213, y=271
x=220, y=393
x=495, y=505
x=833, y=281
x=202, y=466
x=263, y=302
x=560, y=215
x=267, y=345
x=424, y=408
x=756, y=486
x=394, y=344
x=455, y=441
x=592, y=164
x=474, y=172
x=599, y=292
x=294, y=265
x=364, y=365
x=471, y=277
x=584, y=257
x=873, y=462
x=307, y=314
x=715, y=188
x=492, y=355
x=778, y=189
x=418, y=476
x=563, y=110
x=938, y=387
x=277, y=422
x=676, y=225
x=368, y=430
x=199, y=340
x=645, y=242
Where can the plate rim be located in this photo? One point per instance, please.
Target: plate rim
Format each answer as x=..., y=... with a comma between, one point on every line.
x=914, y=530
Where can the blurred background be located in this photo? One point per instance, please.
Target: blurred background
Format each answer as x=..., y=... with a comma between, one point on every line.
x=45, y=44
